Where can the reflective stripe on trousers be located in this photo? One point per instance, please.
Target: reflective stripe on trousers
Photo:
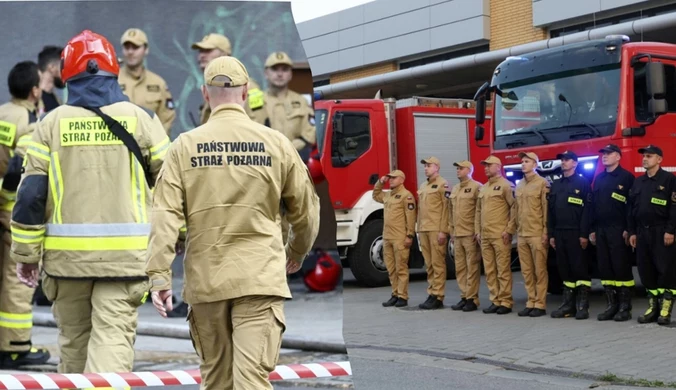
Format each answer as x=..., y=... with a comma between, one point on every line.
x=16, y=321
x=97, y=237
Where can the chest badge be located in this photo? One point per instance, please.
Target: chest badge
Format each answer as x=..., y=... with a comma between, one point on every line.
x=620, y=186
x=468, y=190
x=496, y=188
x=577, y=191
x=434, y=186
x=661, y=188
x=397, y=196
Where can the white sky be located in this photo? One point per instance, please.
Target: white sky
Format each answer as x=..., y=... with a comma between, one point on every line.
x=304, y=10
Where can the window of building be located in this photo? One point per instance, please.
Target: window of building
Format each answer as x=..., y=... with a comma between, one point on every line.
x=646, y=13
x=443, y=57
x=354, y=141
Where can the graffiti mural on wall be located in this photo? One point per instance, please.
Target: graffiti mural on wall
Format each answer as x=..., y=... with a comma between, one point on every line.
x=254, y=32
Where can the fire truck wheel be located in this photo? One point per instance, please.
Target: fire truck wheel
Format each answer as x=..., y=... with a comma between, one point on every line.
x=450, y=261
x=366, y=257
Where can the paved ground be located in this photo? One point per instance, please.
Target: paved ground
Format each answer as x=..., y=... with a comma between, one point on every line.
x=542, y=345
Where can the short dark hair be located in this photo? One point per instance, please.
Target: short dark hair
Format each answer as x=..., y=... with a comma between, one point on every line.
x=48, y=55
x=22, y=78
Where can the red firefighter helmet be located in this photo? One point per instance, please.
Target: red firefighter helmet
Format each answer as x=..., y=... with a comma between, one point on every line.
x=325, y=275
x=88, y=54
x=315, y=167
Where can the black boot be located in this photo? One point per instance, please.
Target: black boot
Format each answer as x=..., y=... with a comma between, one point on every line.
x=470, y=305
x=432, y=304
x=665, y=312
x=624, y=313
x=582, y=303
x=612, y=305
x=14, y=360
x=430, y=299
x=567, y=308
x=391, y=302
x=401, y=302
x=653, y=311
x=459, y=305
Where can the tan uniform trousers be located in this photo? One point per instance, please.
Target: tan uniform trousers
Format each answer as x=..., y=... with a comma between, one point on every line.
x=16, y=305
x=238, y=341
x=396, y=260
x=497, y=259
x=97, y=323
x=468, y=267
x=435, y=263
x=533, y=259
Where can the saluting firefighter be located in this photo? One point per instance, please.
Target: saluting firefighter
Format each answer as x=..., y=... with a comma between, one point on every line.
x=236, y=262
x=144, y=88
x=652, y=224
x=462, y=214
x=398, y=229
x=494, y=226
x=610, y=234
x=433, y=231
x=17, y=123
x=83, y=207
x=568, y=227
x=532, y=242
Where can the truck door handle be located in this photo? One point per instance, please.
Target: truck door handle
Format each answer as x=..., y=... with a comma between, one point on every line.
x=373, y=179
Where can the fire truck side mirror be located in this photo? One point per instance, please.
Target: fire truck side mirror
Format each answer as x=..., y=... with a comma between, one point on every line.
x=481, y=110
x=656, y=88
x=478, y=133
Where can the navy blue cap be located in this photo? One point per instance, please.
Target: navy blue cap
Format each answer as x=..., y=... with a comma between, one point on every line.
x=611, y=148
x=652, y=149
x=568, y=155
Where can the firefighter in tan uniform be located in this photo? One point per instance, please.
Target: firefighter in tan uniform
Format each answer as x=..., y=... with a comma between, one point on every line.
x=533, y=244
x=214, y=46
x=144, y=88
x=433, y=231
x=83, y=208
x=17, y=121
x=398, y=231
x=494, y=225
x=462, y=209
x=236, y=263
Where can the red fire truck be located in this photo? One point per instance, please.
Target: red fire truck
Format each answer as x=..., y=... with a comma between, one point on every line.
x=359, y=141
x=581, y=97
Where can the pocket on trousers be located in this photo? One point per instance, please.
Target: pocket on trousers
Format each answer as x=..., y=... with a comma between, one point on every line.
x=273, y=338
x=138, y=292
x=194, y=334
x=49, y=288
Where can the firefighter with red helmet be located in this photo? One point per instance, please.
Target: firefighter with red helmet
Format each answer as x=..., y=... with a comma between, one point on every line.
x=83, y=209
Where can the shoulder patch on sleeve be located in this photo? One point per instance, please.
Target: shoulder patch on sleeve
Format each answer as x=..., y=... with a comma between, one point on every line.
x=411, y=206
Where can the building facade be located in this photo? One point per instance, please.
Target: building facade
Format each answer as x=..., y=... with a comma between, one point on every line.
x=391, y=36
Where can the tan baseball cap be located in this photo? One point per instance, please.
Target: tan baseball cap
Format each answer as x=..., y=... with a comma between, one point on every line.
x=135, y=36
x=214, y=41
x=491, y=160
x=229, y=67
x=464, y=164
x=530, y=155
x=278, y=57
x=430, y=160
x=397, y=173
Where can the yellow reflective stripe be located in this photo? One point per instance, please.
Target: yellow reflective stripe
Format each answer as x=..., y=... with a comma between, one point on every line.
x=16, y=321
x=658, y=201
x=569, y=284
x=27, y=236
x=138, y=191
x=256, y=98
x=24, y=140
x=7, y=133
x=630, y=283
x=7, y=194
x=608, y=283
x=121, y=243
x=574, y=200
x=183, y=229
x=56, y=183
x=38, y=150
x=619, y=197
x=583, y=283
x=160, y=150
x=9, y=206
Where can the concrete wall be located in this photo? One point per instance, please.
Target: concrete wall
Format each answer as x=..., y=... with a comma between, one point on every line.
x=384, y=30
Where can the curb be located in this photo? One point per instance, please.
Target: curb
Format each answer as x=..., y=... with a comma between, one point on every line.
x=182, y=332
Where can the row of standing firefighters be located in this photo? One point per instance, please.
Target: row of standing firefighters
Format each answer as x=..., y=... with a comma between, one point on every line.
x=618, y=214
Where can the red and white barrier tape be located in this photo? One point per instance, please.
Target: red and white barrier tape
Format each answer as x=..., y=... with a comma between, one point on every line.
x=158, y=378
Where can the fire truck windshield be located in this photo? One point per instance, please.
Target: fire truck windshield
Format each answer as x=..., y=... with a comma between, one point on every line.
x=320, y=126
x=556, y=108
